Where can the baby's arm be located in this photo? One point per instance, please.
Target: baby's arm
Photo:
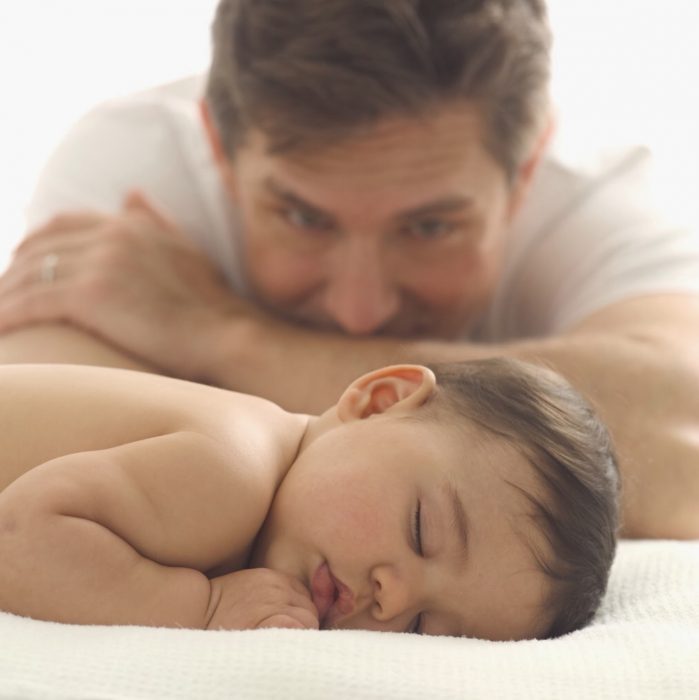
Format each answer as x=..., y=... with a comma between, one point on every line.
x=121, y=536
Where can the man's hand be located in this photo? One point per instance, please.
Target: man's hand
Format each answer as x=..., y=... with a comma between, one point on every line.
x=253, y=598
x=133, y=279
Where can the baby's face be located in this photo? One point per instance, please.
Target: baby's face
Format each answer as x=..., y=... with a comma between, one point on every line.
x=352, y=503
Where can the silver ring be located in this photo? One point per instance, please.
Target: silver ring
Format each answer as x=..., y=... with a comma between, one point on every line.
x=48, y=268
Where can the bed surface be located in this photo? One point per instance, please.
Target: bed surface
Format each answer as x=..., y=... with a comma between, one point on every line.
x=644, y=643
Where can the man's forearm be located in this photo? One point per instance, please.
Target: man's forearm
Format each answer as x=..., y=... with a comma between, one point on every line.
x=647, y=397
x=642, y=377
x=63, y=344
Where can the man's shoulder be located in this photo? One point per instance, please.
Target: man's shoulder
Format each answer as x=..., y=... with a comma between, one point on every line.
x=186, y=88
x=170, y=110
x=591, y=232
x=568, y=175
x=152, y=140
x=577, y=191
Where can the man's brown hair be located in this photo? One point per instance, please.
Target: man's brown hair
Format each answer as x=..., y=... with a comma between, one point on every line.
x=539, y=413
x=310, y=72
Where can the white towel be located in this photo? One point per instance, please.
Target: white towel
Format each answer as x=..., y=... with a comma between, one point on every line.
x=644, y=643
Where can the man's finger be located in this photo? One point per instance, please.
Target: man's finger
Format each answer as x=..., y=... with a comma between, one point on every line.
x=68, y=221
x=34, y=306
x=137, y=201
x=66, y=243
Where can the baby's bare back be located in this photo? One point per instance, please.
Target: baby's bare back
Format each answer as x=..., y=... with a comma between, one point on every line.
x=47, y=411
x=52, y=411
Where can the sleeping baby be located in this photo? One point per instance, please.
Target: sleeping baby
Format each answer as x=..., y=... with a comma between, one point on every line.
x=477, y=498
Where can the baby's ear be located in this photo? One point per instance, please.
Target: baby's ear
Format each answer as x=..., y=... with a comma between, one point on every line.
x=395, y=388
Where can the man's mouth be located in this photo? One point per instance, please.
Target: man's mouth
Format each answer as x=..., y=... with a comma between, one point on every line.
x=332, y=598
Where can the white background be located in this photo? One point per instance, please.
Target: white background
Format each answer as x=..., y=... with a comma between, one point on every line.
x=624, y=71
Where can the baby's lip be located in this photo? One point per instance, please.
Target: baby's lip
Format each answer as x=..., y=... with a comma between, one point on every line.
x=345, y=597
x=331, y=596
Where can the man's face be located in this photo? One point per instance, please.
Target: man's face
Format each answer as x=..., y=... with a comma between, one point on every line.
x=371, y=501
x=398, y=231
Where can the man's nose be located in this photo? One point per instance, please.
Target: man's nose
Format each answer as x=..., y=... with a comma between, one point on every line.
x=360, y=295
x=395, y=594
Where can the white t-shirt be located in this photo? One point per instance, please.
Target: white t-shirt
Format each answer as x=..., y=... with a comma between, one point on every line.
x=586, y=237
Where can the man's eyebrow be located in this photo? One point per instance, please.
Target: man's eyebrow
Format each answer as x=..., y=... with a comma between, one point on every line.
x=458, y=520
x=290, y=197
x=440, y=206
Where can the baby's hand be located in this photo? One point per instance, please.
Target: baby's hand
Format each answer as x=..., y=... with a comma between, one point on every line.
x=252, y=598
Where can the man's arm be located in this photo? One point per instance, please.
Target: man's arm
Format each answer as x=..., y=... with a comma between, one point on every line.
x=62, y=343
x=636, y=361
x=121, y=536
x=136, y=283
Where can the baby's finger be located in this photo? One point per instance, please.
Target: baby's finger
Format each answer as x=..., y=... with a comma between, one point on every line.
x=297, y=586
x=298, y=618
x=309, y=618
x=285, y=621
x=305, y=607
x=300, y=597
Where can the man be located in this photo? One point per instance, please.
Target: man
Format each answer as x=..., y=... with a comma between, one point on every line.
x=366, y=183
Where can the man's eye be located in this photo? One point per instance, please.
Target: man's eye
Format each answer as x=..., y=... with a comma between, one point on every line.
x=301, y=219
x=417, y=529
x=429, y=229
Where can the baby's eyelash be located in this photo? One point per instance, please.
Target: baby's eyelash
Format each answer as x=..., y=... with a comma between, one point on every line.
x=417, y=534
x=416, y=528
x=418, y=623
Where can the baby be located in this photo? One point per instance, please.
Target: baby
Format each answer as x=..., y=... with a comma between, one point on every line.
x=477, y=498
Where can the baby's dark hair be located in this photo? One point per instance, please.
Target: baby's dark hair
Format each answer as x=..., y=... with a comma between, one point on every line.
x=540, y=414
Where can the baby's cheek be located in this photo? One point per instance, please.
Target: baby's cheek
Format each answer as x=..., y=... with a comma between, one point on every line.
x=360, y=520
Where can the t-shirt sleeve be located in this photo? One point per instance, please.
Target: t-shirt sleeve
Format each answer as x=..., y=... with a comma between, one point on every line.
x=109, y=151
x=585, y=242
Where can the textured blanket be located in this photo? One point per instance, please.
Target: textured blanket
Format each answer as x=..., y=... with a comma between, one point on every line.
x=644, y=643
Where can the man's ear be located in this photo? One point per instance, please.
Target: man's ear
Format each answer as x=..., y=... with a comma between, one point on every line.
x=526, y=172
x=211, y=131
x=223, y=162
x=394, y=388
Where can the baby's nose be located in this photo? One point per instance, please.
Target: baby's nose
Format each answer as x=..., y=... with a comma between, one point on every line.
x=395, y=594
